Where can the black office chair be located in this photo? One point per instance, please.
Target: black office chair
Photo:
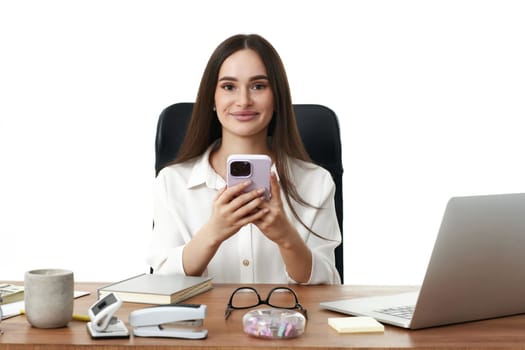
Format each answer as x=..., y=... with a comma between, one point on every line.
x=319, y=129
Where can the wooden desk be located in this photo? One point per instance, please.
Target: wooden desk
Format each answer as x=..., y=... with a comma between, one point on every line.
x=508, y=332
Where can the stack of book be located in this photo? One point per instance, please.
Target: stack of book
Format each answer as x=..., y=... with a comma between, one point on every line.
x=11, y=299
x=157, y=289
x=9, y=293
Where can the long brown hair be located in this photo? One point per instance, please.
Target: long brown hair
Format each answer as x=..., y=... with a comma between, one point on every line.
x=284, y=138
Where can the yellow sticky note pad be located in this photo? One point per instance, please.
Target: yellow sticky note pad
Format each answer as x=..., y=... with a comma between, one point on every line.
x=358, y=324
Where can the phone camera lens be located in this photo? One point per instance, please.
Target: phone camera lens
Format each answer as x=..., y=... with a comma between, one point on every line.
x=240, y=168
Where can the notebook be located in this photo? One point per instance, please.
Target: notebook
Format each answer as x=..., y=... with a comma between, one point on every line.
x=476, y=270
x=157, y=289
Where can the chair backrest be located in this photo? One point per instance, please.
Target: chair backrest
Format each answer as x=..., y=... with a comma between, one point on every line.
x=319, y=129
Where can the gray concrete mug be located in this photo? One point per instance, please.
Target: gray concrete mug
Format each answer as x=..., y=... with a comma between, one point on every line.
x=48, y=297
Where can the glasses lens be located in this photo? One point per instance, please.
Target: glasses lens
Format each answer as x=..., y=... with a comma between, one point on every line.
x=245, y=298
x=283, y=298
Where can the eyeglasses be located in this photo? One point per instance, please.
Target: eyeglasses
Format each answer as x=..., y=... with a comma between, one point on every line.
x=278, y=297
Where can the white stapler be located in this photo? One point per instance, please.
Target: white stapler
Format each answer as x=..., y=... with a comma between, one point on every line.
x=103, y=324
x=172, y=321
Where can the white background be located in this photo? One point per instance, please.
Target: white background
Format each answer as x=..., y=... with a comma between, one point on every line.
x=430, y=97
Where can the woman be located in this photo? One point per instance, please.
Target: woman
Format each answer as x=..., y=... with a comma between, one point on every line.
x=244, y=106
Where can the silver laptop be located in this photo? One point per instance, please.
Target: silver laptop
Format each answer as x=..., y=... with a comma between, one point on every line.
x=476, y=270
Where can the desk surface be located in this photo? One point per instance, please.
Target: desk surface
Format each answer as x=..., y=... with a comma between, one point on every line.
x=507, y=332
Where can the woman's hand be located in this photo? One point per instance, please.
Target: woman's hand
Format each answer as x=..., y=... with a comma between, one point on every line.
x=232, y=209
x=276, y=226
x=274, y=223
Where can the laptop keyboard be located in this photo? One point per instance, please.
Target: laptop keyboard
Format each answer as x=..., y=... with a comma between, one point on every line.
x=400, y=311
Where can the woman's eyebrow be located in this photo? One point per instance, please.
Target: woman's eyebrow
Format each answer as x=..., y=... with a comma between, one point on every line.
x=259, y=77
x=255, y=77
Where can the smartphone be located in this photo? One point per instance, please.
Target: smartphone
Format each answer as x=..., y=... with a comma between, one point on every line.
x=253, y=167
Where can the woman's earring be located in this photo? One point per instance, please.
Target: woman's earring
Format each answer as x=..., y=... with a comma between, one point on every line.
x=214, y=109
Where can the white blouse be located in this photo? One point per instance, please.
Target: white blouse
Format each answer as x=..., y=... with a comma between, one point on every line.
x=183, y=196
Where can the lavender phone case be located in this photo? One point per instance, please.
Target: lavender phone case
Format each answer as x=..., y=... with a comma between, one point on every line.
x=259, y=174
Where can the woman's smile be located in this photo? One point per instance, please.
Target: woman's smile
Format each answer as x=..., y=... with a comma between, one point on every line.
x=244, y=116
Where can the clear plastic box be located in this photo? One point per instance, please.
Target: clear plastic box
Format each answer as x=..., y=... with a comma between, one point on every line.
x=274, y=323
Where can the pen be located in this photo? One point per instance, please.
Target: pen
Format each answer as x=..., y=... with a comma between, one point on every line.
x=84, y=318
